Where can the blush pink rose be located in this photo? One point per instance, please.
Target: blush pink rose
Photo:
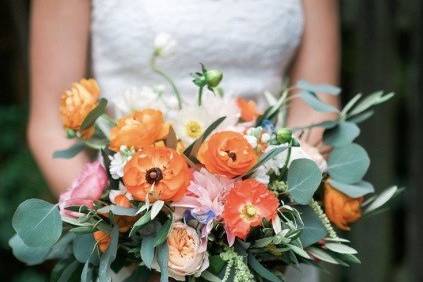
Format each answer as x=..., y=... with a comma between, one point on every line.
x=86, y=189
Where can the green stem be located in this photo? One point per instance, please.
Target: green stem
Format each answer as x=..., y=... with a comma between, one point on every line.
x=200, y=95
x=167, y=78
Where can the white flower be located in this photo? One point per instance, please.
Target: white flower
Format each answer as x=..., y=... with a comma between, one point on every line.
x=164, y=45
x=118, y=162
x=191, y=122
x=252, y=140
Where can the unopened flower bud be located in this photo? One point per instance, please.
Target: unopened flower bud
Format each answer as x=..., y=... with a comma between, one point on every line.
x=284, y=135
x=213, y=77
x=70, y=133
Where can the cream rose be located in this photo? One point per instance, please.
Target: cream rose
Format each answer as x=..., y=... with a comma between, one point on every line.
x=186, y=255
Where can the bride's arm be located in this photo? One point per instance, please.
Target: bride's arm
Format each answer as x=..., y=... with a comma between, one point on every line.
x=317, y=61
x=58, y=55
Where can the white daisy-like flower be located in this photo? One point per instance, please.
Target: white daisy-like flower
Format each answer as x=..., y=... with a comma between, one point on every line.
x=164, y=44
x=119, y=160
x=191, y=122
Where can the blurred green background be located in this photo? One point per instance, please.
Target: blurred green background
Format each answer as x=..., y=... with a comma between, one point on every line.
x=382, y=49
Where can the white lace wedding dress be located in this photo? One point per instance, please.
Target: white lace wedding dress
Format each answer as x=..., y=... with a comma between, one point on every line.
x=251, y=41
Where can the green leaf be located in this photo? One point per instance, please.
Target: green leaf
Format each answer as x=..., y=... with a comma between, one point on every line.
x=28, y=255
x=340, y=248
x=94, y=114
x=313, y=229
x=324, y=124
x=266, y=157
x=109, y=256
x=350, y=104
x=318, y=88
x=156, y=208
x=192, y=149
x=370, y=101
x=37, y=223
x=70, y=152
x=208, y=276
x=382, y=199
x=68, y=272
x=355, y=190
x=316, y=104
x=147, y=250
x=261, y=270
x=216, y=264
x=118, y=210
x=87, y=273
x=162, y=260
x=63, y=248
x=304, y=178
x=342, y=134
x=348, y=164
x=83, y=246
x=143, y=220
x=270, y=112
x=322, y=255
x=299, y=251
x=161, y=235
x=361, y=117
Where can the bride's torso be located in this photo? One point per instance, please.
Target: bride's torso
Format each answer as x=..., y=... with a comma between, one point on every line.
x=251, y=41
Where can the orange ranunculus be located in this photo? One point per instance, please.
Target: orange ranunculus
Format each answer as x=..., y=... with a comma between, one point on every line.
x=227, y=153
x=77, y=102
x=159, y=173
x=139, y=129
x=248, y=109
x=103, y=240
x=246, y=205
x=340, y=208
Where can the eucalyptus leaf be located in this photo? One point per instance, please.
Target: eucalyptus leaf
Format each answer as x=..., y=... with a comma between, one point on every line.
x=355, y=190
x=63, y=248
x=304, y=178
x=208, y=276
x=382, y=199
x=94, y=114
x=299, y=251
x=83, y=246
x=361, y=117
x=143, y=220
x=70, y=152
x=161, y=235
x=147, y=250
x=162, y=260
x=316, y=104
x=342, y=134
x=109, y=256
x=26, y=254
x=118, y=210
x=313, y=229
x=348, y=164
x=68, y=272
x=370, y=101
x=318, y=88
x=261, y=270
x=351, y=104
x=340, y=248
x=37, y=223
x=322, y=255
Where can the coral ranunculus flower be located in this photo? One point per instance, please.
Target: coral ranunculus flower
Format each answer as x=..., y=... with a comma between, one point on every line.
x=227, y=153
x=158, y=173
x=138, y=130
x=246, y=205
x=103, y=240
x=248, y=109
x=340, y=208
x=77, y=102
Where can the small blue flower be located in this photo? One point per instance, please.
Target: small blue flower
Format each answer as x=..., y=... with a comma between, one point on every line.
x=268, y=126
x=202, y=218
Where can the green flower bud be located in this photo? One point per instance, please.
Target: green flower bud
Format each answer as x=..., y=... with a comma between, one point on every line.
x=70, y=133
x=213, y=77
x=284, y=135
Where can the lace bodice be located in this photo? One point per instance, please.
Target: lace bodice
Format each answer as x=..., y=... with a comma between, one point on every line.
x=251, y=41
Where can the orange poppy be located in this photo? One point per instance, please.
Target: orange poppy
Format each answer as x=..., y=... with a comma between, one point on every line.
x=340, y=208
x=246, y=205
x=139, y=129
x=103, y=240
x=159, y=173
x=227, y=153
x=248, y=109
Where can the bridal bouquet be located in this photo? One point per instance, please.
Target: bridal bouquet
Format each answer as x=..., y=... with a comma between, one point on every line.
x=208, y=189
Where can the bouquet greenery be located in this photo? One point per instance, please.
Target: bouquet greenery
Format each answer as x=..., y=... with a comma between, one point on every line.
x=208, y=190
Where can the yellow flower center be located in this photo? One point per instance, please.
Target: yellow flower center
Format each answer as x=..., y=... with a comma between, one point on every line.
x=249, y=211
x=193, y=129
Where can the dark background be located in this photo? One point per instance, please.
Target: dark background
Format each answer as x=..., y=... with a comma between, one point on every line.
x=382, y=49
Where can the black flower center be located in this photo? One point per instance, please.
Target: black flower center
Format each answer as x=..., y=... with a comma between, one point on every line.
x=154, y=175
x=231, y=155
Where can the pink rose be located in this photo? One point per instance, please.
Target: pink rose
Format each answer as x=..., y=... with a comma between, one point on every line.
x=86, y=189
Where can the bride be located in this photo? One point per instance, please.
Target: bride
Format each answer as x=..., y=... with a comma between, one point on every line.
x=257, y=43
